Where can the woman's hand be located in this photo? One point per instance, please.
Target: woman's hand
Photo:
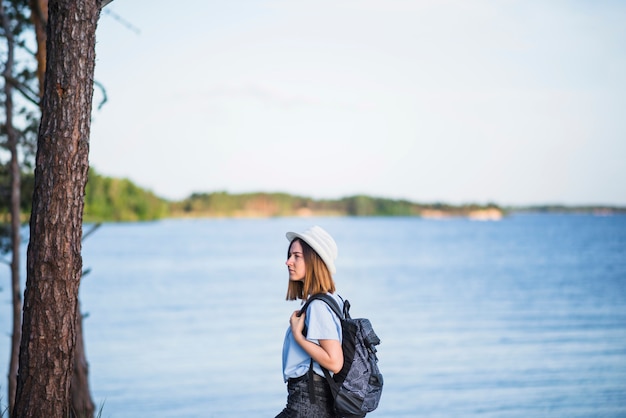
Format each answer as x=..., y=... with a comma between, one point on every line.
x=328, y=353
x=297, y=323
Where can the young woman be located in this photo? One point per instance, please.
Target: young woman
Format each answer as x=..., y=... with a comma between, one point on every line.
x=311, y=264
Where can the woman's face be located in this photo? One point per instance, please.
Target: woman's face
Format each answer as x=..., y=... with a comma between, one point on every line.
x=295, y=262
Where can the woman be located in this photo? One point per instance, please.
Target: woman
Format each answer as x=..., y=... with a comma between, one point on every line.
x=311, y=263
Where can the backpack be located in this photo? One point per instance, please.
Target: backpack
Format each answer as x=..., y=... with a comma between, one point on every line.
x=357, y=388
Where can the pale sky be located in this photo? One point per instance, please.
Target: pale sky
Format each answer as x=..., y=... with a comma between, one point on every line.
x=457, y=101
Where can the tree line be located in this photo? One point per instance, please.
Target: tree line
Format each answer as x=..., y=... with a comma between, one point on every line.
x=107, y=199
x=111, y=199
x=121, y=200
x=115, y=199
x=224, y=204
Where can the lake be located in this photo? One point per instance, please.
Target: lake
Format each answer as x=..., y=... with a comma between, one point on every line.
x=524, y=317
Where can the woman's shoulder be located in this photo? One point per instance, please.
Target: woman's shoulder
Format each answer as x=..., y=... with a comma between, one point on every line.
x=336, y=296
x=321, y=305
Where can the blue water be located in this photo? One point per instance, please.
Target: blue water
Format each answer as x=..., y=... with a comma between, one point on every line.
x=525, y=317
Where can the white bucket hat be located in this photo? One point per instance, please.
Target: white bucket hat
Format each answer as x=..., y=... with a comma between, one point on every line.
x=321, y=241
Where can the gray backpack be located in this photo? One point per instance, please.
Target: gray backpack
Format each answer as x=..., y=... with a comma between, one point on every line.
x=357, y=388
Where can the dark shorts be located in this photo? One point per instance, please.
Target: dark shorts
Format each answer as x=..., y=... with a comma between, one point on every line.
x=299, y=403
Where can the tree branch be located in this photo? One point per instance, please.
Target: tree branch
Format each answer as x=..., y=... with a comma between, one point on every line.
x=122, y=21
x=104, y=3
x=91, y=231
x=26, y=91
x=104, y=93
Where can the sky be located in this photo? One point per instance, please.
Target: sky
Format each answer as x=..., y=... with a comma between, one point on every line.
x=456, y=101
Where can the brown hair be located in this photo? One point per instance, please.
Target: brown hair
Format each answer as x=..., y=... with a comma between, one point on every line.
x=317, y=278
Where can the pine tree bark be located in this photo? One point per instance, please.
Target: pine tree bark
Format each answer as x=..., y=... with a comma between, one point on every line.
x=80, y=390
x=82, y=404
x=54, y=262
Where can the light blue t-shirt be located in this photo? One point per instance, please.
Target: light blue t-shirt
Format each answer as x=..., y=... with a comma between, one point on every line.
x=322, y=324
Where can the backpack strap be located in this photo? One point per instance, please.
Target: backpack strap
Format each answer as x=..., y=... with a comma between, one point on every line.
x=332, y=303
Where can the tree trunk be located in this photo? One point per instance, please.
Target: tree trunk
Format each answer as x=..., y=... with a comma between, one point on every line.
x=80, y=392
x=82, y=404
x=54, y=261
x=15, y=174
x=39, y=17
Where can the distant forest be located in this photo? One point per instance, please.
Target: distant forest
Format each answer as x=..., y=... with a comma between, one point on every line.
x=223, y=204
x=109, y=199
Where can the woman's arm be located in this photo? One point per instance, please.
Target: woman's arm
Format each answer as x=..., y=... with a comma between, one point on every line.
x=328, y=354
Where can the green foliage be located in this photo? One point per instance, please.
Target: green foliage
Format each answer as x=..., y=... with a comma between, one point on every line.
x=112, y=199
x=106, y=199
x=223, y=204
x=361, y=205
x=579, y=209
